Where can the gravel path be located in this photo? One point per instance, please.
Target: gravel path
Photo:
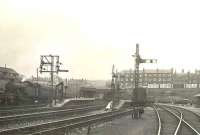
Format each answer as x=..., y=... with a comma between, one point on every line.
x=125, y=126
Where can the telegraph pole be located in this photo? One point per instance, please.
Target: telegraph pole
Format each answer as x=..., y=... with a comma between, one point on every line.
x=51, y=64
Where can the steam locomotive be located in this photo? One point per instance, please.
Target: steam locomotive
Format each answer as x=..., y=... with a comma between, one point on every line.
x=24, y=93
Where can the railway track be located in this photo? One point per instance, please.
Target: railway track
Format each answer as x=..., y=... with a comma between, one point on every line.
x=65, y=125
x=21, y=107
x=23, y=110
x=174, y=120
x=7, y=112
x=7, y=122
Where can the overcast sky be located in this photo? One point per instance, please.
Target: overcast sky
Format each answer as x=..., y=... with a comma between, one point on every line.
x=92, y=35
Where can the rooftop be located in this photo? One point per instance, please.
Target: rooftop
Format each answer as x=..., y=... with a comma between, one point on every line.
x=7, y=70
x=149, y=71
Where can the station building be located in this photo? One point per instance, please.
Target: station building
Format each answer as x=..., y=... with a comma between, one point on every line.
x=98, y=93
x=73, y=87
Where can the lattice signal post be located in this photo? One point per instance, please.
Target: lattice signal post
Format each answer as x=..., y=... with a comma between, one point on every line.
x=113, y=86
x=51, y=64
x=117, y=86
x=138, y=61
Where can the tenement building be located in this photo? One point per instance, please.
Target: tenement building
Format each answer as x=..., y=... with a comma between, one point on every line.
x=160, y=78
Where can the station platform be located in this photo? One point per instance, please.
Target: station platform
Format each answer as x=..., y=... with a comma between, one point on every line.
x=122, y=103
x=66, y=101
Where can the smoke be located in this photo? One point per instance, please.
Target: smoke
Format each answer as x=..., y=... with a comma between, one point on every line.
x=24, y=79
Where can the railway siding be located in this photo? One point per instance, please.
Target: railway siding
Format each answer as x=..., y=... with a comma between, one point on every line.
x=62, y=124
x=189, y=121
x=9, y=122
